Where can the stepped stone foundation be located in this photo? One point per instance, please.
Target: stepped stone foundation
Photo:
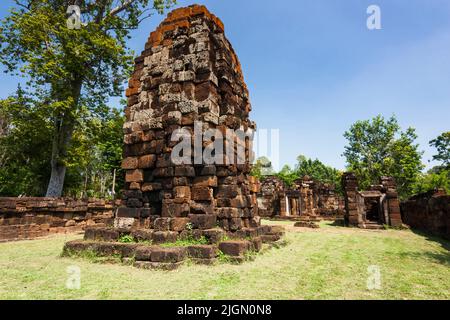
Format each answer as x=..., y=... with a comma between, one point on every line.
x=371, y=208
x=187, y=89
x=30, y=218
x=428, y=212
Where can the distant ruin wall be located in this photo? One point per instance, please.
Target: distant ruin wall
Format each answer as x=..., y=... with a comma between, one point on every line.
x=30, y=218
x=429, y=212
x=305, y=198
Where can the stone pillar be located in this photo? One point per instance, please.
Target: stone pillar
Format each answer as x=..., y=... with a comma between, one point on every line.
x=283, y=205
x=393, y=203
x=352, y=204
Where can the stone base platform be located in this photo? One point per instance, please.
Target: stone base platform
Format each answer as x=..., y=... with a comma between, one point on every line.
x=167, y=250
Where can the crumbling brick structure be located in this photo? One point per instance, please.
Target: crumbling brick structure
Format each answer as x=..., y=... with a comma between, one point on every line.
x=306, y=198
x=371, y=208
x=188, y=72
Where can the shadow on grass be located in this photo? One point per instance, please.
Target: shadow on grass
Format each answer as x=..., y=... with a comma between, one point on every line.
x=338, y=223
x=431, y=237
x=440, y=258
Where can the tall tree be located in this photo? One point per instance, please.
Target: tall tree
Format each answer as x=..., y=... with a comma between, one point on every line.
x=378, y=147
x=442, y=144
x=92, y=157
x=69, y=69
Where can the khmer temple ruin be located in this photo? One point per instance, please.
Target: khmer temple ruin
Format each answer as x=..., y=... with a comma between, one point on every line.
x=306, y=198
x=187, y=83
x=371, y=208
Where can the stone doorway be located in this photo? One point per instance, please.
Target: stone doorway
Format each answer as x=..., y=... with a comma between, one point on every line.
x=373, y=209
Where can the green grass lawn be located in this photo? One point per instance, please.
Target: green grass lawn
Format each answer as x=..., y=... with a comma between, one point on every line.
x=326, y=263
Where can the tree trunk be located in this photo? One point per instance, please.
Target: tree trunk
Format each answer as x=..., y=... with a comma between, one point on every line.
x=63, y=135
x=56, y=184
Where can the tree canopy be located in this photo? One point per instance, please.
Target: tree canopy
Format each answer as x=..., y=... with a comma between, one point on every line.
x=94, y=154
x=71, y=71
x=378, y=147
x=442, y=145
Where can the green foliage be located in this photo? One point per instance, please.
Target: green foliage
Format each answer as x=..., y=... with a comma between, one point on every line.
x=262, y=167
x=94, y=154
x=223, y=258
x=315, y=169
x=432, y=180
x=126, y=238
x=24, y=152
x=287, y=175
x=189, y=241
x=71, y=72
x=318, y=171
x=378, y=148
x=442, y=144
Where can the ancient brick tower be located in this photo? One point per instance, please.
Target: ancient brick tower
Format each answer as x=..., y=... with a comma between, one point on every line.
x=188, y=73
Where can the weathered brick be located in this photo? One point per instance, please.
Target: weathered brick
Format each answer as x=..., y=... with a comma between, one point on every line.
x=168, y=254
x=202, y=194
x=202, y=251
x=203, y=221
x=234, y=248
x=178, y=224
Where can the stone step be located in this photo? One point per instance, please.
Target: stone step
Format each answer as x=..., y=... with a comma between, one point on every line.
x=373, y=226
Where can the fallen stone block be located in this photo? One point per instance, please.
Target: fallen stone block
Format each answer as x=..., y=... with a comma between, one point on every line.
x=267, y=238
x=306, y=224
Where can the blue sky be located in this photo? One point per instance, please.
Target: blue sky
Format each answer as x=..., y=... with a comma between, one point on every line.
x=313, y=68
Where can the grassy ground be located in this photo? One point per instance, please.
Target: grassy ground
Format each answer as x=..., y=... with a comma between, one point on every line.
x=327, y=263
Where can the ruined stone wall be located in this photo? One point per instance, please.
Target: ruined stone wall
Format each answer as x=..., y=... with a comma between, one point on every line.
x=385, y=194
x=188, y=72
x=29, y=218
x=330, y=203
x=270, y=196
x=429, y=212
x=305, y=198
